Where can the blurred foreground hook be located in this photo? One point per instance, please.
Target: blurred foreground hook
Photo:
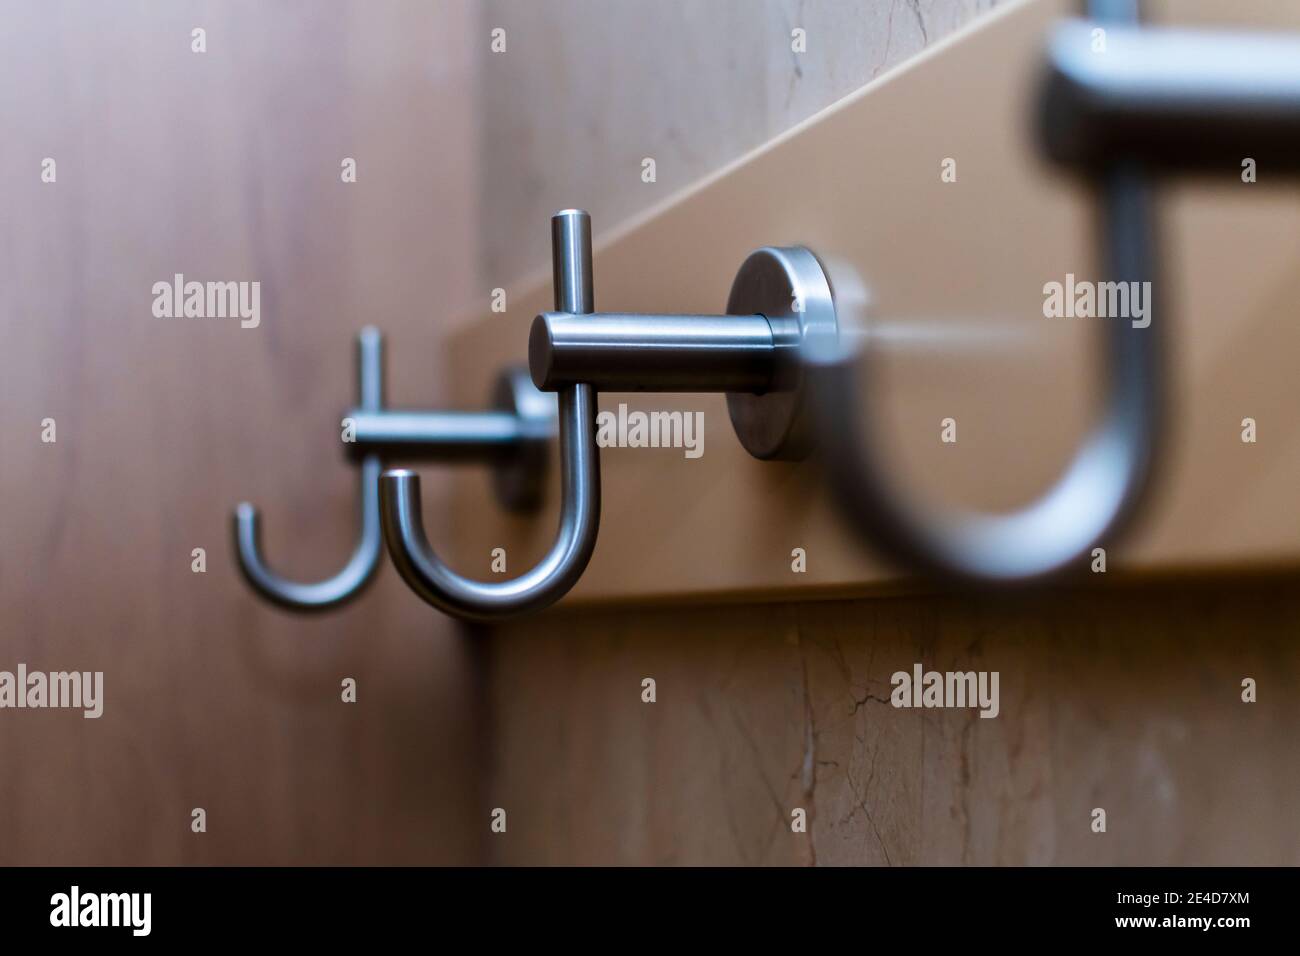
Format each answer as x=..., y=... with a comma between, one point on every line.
x=1099, y=489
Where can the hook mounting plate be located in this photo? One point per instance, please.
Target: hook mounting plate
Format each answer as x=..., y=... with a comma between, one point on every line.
x=788, y=287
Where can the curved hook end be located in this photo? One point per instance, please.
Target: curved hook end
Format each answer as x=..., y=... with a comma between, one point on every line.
x=295, y=595
x=548, y=580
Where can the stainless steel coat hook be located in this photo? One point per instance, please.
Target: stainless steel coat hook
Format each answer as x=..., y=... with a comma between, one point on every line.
x=1095, y=495
x=779, y=298
x=513, y=438
x=560, y=569
x=1150, y=101
x=1098, y=490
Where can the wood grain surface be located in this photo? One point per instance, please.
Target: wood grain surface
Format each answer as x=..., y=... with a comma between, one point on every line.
x=223, y=166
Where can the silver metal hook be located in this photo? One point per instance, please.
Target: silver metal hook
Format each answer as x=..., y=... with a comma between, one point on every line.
x=513, y=437
x=1094, y=495
x=575, y=541
x=360, y=568
x=1098, y=490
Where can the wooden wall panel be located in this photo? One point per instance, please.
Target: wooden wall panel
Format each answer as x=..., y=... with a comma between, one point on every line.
x=223, y=166
x=1124, y=699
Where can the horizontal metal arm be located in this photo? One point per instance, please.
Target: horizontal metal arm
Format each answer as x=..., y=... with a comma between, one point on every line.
x=438, y=436
x=1178, y=99
x=633, y=352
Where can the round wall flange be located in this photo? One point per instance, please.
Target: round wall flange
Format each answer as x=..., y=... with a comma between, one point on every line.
x=519, y=479
x=788, y=287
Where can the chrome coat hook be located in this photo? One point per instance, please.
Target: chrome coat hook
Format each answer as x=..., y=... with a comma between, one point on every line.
x=1098, y=490
x=1095, y=495
x=560, y=569
x=1157, y=100
x=513, y=438
x=779, y=298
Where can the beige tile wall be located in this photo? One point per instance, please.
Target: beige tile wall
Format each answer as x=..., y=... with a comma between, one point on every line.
x=585, y=91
